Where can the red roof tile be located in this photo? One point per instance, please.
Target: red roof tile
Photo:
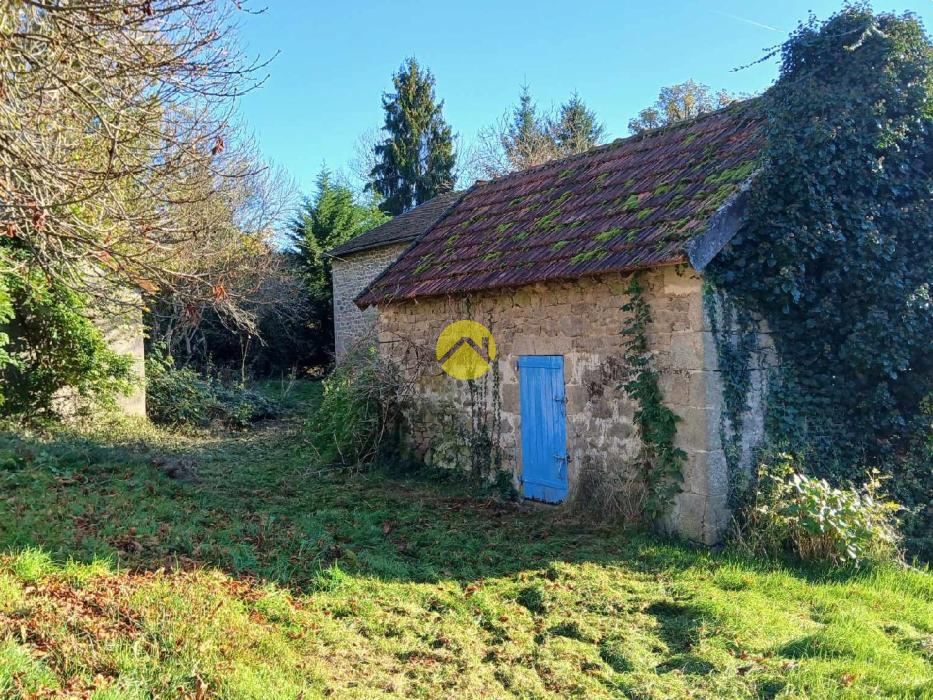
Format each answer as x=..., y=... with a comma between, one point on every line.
x=634, y=203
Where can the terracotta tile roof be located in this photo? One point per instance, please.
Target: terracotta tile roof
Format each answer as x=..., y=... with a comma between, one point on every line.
x=402, y=229
x=634, y=203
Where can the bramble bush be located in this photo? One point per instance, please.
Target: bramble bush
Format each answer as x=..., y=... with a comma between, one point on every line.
x=181, y=396
x=807, y=517
x=358, y=418
x=361, y=419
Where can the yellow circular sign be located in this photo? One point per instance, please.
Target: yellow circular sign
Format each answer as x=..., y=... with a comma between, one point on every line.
x=465, y=350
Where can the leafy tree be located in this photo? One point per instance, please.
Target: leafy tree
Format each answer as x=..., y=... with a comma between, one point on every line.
x=55, y=345
x=102, y=162
x=575, y=128
x=331, y=217
x=256, y=283
x=415, y=162
x=679, y=102
x=120, y=177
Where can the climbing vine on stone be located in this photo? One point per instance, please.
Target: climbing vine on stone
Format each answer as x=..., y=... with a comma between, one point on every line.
x=837, y=251
x=484, y=437
x=735, y=334
x=657, y=424
x=474, y=444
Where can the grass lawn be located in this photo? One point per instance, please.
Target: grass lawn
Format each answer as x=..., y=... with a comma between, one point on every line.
x=145, y=563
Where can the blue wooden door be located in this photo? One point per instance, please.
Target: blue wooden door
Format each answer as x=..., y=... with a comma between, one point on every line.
x=544, y=427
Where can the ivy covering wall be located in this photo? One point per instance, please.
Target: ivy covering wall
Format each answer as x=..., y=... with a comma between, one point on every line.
x=837, y=252
x=657, y=423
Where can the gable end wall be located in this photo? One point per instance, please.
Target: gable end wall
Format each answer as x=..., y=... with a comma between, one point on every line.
x=351, y=275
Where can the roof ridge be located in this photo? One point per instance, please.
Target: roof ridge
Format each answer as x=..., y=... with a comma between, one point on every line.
x=352, y=245
x=621, y=141
x=639, y=202
x=417, y=239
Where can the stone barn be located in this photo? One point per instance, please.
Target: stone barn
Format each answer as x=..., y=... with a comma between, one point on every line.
x=543, y=259
x=357, y=262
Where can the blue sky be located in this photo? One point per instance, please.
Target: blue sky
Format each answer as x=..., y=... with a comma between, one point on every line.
x=336, y=59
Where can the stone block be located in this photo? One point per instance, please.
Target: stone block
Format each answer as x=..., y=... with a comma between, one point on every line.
x=696, y=314
x=706, y=473
x=350, y=276
x=687, y=350
x=699, y=517
x=688, y=516
x=577, y=398
x=525, y=344
x=617, y=285
x=600, y=408
x=718, y=517
x=675, y=387
x=710, y=353
x=704, y=389
x=679, y=281
x=698, y=429
x=620, y=429
x=510, y=399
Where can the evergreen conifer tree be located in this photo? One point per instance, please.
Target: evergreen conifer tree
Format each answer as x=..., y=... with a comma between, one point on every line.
x=416, y=160
x=331, y=217
x=575, y=129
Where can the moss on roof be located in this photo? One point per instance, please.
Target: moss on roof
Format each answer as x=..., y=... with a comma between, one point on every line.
x=631, y=204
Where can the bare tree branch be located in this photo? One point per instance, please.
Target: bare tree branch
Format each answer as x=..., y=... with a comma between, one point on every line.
x=119, y=149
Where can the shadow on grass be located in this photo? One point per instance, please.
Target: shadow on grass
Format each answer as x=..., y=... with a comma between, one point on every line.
x=255, y=505
x=679, y=624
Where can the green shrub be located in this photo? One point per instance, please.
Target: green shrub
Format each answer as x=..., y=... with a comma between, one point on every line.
x=358, y=418
x=815, y=521
x=6, y=315
x=53, y=345
x=181, y=396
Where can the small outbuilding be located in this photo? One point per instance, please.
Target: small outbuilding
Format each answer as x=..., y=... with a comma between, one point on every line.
x=543, y=259
x=360, y=260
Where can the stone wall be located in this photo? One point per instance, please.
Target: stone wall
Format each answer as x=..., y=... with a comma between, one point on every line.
x=581, y=320
x=123, y=331
x=125, y=334
x=351, y=274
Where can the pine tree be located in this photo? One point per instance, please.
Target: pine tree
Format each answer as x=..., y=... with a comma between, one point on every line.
x=525, y=137
x=416, y=160
x=575, y=129
x=329, y=218
x=526, y=140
